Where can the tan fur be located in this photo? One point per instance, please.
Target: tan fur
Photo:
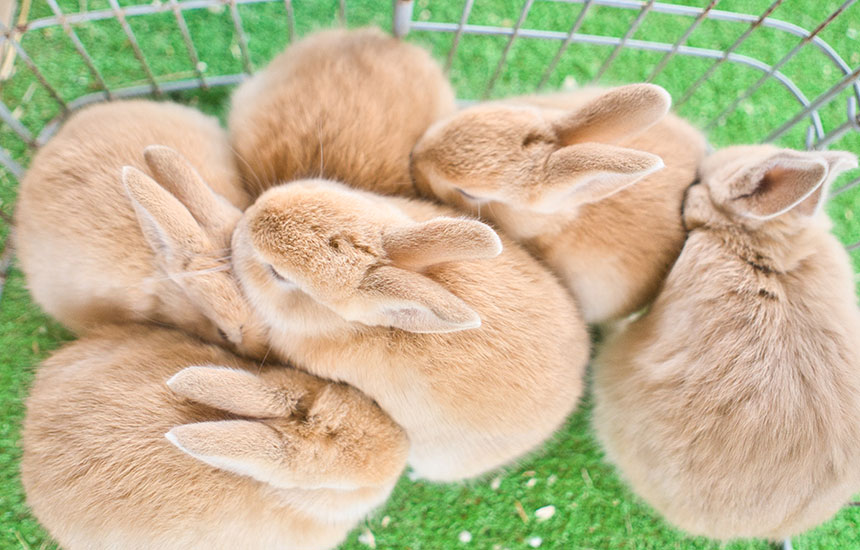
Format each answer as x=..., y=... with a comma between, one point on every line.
x=100, y=474
x=80, y=242
x=557, y=173
x=732, y=406
x=340, y=104
x=489, y=355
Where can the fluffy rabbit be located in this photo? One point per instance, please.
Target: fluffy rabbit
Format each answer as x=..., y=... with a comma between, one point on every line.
x=477, y=351
x=732, y=406
x=79, y=237
x=340, y=104
x=312, y=457
x=552, y=172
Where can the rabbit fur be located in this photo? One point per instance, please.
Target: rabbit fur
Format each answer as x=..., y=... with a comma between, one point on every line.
x=731, y=406
x=339, y=104
x=464, y=339
x=557, y=172
x=89, y=259
x=254, y=457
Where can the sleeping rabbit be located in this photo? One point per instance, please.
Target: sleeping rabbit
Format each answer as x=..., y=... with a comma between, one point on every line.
x=88, y=256
x=339, y=104
x=461, y=336
x=254, y=457
x=557, y=173
x=732, y=405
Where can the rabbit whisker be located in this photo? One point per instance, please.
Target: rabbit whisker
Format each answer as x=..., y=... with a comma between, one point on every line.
x=319, y=137
x=261, y=185
x=263, y=360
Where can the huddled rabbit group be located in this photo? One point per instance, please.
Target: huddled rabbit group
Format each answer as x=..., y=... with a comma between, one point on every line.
x=274, y=321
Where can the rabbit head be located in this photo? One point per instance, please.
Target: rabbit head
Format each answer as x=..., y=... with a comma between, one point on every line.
x=315, y=249
x=541, y=160
x=272, y=444
x=188, y=227
x=762, y=187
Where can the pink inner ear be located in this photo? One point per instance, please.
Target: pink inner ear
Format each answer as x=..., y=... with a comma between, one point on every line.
x=809, y=205
x=784, y=186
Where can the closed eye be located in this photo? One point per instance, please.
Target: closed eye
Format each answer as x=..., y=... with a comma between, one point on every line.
x=532, y=139
x=467, y=195
x=277, y=275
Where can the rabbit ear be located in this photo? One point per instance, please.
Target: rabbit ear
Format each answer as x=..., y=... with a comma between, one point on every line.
x=167, y=225
x=837, y=162
x=180, y=178
x=620, y=112
x=237, y=391
x=243, y=447
x=409, y=301
x=590, y=172
x=778, y=183
x=440, y=240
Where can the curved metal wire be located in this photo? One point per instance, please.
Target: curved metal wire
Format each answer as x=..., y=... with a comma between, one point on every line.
x=817, y=137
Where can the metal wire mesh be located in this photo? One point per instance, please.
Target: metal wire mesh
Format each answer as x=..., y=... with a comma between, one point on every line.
x=817, y=120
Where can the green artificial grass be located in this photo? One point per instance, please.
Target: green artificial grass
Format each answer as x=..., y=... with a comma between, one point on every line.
x=593, y=508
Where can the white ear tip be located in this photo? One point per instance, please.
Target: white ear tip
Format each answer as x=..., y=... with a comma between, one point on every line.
x=155, y=150
x=127, y=172
x=661, y=91
x=171, y=436
x=497, y=242
x=174, y=380
x=188, y=373
x=847, y=161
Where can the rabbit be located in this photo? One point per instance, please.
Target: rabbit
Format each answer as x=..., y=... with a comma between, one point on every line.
x=140, y=437
x=555, y=173
x=467, y=341
x=339, y=104
x=79, y=238
x=732, y=405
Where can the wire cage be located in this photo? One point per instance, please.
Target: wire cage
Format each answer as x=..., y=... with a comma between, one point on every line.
x=735, y=64
x=770, y=74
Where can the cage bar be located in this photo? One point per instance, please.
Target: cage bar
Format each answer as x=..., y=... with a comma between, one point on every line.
x=7, y=117
x=73, y=36
x=846, y=81
x=794, y=51
x=756, y=24
x=527, y=5
x=189, y=43
x=138, y=53
x=681, y=41
x=570, y=35
x=22, y=55
x=402, y=17
x=464, y=17
x=627, y=36
x=9, y=163
x=240, y=35
x=291, y=20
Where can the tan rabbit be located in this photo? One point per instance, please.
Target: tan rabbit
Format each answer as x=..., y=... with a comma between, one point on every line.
x=553, y=171
x=79, y=239
x=476, y=350
x=340, y=104
x=732, y=406
x=254, y=457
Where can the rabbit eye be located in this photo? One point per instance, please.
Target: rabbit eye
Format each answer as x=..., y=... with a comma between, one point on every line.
x=275, y=274
x=467, y=195
x=532, y=139
x=222, y=335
